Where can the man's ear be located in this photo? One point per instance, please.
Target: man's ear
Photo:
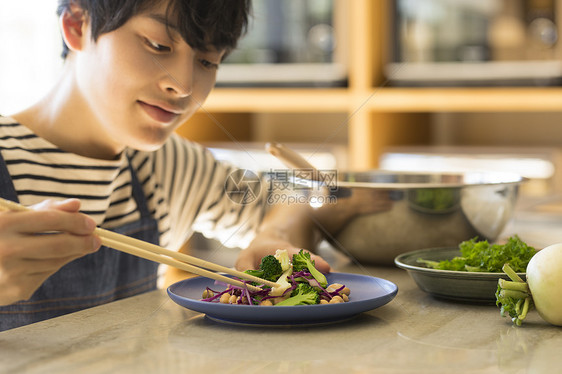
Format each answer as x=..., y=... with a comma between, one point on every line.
x=73, y=25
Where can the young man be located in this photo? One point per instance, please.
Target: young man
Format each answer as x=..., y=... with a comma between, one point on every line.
x=100, y=150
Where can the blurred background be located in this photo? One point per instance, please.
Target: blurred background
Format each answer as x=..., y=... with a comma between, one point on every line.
x=395, y=84
x=370, y=83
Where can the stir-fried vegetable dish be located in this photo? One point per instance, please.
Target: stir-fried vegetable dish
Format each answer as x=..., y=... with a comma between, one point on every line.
x=484, y=257
x=298, y=283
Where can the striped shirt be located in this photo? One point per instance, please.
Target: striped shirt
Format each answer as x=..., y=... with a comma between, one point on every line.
x=183, y=184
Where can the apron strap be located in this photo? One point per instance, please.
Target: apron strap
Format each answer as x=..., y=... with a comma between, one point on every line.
x=7, y=189
x=138, y=193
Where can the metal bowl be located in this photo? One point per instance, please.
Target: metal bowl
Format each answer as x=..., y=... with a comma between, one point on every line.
x=396, y=212
x=474, y=287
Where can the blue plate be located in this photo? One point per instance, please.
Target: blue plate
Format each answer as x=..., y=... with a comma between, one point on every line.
x=367, y=293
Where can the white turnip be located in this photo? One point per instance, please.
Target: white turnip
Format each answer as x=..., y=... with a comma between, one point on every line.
x=542, y=290
x=544, y=277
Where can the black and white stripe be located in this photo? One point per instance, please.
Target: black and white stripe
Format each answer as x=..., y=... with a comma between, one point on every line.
x=183, y=184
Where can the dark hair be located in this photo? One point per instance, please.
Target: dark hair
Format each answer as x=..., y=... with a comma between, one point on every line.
x=201, y=23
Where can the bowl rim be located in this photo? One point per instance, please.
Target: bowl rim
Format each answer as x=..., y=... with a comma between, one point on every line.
x=399, y=262
x=467, y=179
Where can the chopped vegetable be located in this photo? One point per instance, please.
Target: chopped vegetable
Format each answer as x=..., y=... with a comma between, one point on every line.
x=297, y=285
x=541, y=291
x=283, y=283
x=481, y=256
x=283, y=258
x=304, y=294
x=302, y=261
x=270, y=269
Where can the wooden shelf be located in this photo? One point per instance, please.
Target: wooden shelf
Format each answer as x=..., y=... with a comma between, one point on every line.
x=401, y=100
x=291, y=100
x=465, y=99
x=379, y=116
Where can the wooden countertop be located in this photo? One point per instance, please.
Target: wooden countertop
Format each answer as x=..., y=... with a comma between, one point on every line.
x=414, y=333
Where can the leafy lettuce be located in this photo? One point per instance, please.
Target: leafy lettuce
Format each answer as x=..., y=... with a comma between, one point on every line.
x=481, y=256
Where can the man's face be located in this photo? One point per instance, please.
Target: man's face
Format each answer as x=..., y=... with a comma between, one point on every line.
x=142, y=80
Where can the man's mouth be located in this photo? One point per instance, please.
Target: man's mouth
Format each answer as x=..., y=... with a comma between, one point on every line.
x=160, y=113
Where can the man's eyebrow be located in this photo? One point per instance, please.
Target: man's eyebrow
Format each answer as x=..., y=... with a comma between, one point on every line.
x=163, y=20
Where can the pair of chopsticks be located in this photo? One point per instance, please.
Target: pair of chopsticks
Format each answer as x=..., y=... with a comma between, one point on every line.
x=292, y=159
x=161, y=255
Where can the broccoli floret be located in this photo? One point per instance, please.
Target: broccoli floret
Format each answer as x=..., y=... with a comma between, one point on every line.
x=270, y=269
x=304, y=294
x=302, y=261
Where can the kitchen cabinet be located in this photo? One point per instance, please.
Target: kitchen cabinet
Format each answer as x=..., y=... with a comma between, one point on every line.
x=377, y=115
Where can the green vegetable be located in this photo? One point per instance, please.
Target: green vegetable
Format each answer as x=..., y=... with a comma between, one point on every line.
x=304, y=294
x=302, y=261
x=481, y=256
x=270, y=269
x=300, y=288
x=435, y=198
x=513, y=296
x=283, y=283
x=542, y=290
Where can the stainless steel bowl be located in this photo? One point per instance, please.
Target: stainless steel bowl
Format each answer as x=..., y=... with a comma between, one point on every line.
x=417, y=210
x=466, y=286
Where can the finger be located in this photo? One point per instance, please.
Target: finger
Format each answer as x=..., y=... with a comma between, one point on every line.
x=57, y=246
x=320, y=264
x=68, y=205
x=47, y=267
x=251, y=259
x=31, y=222
x=19, y=269
x=245, y=261
x=71, y=205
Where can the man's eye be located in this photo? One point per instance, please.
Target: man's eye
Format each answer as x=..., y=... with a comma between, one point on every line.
x=157, y=47
x=208, y=64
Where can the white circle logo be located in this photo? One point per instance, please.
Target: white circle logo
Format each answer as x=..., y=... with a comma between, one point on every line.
x=243, y=186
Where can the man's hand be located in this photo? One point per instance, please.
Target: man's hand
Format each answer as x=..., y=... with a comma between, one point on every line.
x=262, y=246
x=297, y=226
x=35, y=244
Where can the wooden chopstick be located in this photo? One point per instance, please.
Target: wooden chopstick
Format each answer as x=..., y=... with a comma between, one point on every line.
x=294, y=160
x=130, y=249
x=113, y=237
x=156, y=253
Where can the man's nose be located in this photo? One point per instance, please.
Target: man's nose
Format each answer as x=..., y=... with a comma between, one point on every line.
x=178, y=78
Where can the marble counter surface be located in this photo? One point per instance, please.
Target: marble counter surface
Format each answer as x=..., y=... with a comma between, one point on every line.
x=414, y=333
